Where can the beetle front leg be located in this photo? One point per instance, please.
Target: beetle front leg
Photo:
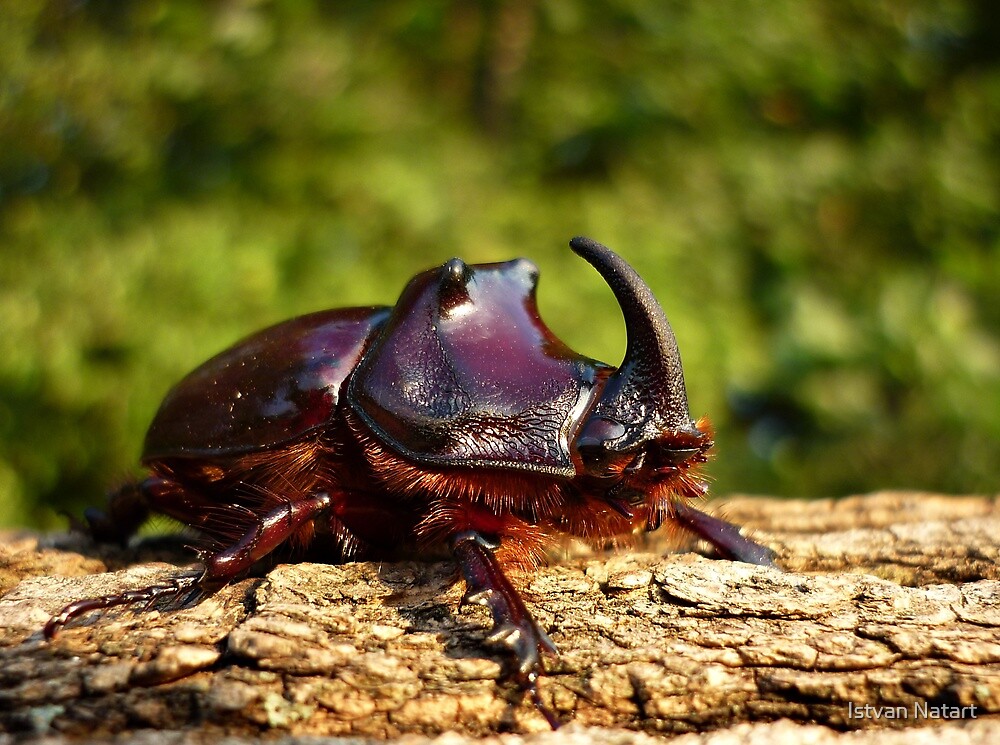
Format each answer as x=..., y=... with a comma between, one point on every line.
x=723, y=535
x=513, y=624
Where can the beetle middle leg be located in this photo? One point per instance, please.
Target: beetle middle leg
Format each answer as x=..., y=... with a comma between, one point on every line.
x=263, y=536
x=513, y=624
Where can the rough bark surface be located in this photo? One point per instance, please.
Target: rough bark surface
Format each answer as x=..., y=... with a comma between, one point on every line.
x=889, y=601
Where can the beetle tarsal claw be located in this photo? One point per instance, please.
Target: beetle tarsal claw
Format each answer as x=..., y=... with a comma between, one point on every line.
x=477, y=597
x=506, y=634
x=528, y=643
x=546, y=643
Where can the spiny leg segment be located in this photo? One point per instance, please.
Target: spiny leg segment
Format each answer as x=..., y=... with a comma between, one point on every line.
x=264, y=535
x=513, y=624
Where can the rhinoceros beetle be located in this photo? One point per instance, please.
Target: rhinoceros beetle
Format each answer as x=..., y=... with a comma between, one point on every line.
x=454, y=419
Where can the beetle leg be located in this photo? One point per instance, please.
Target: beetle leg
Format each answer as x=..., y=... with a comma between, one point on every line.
x=127, y=508
x=513, y=624
x=221, y=568
x=265, y=535
x=129, y=505
x=724, y=536
x=146, y=596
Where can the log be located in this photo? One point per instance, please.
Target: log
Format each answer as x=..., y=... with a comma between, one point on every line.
x=884, y=627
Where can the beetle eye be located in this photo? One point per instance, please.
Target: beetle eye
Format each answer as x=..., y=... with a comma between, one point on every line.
x=597, y=433
x=601, y=462
x=592, y=443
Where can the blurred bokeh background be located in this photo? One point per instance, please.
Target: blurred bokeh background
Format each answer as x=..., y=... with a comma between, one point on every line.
x=812, y=190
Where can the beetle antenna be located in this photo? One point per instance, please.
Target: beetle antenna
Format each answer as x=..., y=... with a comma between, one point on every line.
x=646, y=394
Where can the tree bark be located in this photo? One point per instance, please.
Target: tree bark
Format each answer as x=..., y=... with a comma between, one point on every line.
x=884, y=627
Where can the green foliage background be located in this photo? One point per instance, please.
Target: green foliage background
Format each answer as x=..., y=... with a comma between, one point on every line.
x=812, y=190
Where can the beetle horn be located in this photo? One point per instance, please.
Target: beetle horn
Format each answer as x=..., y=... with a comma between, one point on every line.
x=646, y=395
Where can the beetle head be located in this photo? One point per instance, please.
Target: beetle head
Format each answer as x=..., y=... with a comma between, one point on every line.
x=639, y=432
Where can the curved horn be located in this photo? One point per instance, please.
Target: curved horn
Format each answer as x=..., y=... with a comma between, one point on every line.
x=646, y=395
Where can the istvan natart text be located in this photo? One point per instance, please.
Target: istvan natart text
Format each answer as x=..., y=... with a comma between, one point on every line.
x=916, y=710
